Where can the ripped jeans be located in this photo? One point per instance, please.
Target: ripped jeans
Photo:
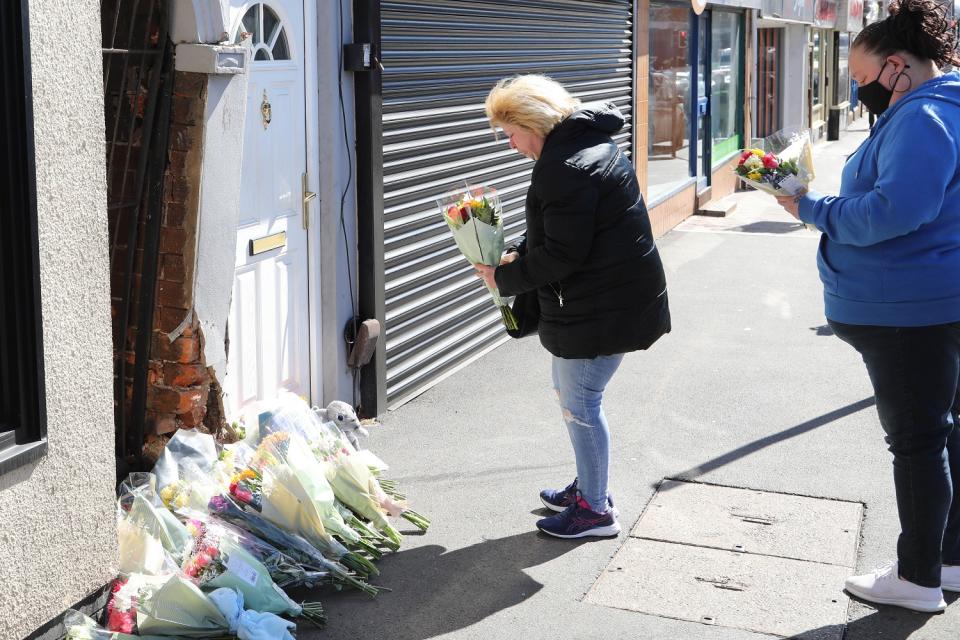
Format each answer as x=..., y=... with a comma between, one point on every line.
x=579, y=385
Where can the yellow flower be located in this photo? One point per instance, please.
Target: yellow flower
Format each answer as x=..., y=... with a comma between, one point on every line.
x=246, y=474
x=754, y=175
x=167, y=494
x=757, y=152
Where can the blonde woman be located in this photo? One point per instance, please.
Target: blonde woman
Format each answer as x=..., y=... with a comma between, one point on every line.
x=589, y=254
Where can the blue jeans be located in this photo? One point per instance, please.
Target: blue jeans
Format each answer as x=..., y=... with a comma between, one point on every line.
x=579, y=384
x=915, y=373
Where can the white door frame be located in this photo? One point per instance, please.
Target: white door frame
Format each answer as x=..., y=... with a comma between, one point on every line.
x=313, y=365
x=311, y=131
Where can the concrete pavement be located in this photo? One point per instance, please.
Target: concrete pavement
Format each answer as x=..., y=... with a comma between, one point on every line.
x=749, y=390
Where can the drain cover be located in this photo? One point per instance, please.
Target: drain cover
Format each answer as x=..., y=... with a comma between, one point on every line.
x=762, y=522
x=764, y=562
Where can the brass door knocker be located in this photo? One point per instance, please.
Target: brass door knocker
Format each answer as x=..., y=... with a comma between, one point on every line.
x=265, y=113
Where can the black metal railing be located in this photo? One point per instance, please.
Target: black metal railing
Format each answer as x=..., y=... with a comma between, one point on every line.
x=136, y=74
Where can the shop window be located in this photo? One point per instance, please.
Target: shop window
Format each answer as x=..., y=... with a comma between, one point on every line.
x=818, y=52
x=22, y=402
x=726, y=88
x=668, y=145
x=842, y=71
x=768, y=81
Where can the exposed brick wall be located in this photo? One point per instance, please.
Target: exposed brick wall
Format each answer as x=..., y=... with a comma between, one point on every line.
x=179, y=382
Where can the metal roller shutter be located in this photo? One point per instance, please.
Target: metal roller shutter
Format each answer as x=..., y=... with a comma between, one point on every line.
x=441, y=57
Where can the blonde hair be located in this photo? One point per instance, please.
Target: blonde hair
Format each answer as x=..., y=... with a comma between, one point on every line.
x=534, y=102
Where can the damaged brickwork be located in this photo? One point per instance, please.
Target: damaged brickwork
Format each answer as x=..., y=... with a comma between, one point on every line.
x=178, y=380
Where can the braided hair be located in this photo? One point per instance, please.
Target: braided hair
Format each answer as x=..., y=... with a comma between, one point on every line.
x=919, y=27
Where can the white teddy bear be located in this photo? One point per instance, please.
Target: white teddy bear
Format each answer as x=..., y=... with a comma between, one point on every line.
x=343, y=415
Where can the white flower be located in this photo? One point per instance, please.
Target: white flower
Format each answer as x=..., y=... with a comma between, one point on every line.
x=753, y=162
x=77, y=632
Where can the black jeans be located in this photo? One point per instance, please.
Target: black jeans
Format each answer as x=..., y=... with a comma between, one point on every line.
x=915, y=373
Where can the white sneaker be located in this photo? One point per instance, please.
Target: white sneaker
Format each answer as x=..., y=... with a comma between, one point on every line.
x=884, y=586
x=950, y=578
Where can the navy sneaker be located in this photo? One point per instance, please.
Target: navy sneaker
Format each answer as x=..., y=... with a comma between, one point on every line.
x=578, y=521
x=561, y=500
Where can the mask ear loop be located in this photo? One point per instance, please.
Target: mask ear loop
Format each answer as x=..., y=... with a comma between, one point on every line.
x=893, y=85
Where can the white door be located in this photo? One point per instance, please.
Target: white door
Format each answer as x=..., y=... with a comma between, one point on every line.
x=269, y=315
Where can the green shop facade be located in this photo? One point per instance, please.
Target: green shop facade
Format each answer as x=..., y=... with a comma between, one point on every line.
x=698, y=115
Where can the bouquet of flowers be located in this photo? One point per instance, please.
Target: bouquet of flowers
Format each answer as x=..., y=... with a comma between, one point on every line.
x=297, y=498
x=195, y=485
x=354, y=480
x=781, y=164
x=121, y=613
x=187, y=446
x=245, y=487
x=140, y=549
x=81, y=627
x=284, y=570
x=474, y=219
x=223, y=508
x=172, y=605
x=151, y=539
x=218, y=561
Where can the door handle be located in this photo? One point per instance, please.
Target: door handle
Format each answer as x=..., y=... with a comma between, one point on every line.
x=307, y=196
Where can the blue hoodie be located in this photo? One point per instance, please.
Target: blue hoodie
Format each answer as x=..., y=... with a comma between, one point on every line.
x=890, y=250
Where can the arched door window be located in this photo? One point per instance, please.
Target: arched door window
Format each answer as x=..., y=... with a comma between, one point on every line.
x=267, y=35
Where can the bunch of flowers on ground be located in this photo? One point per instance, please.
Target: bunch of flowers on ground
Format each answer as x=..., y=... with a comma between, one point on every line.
x=216, y=561
x=211, y=539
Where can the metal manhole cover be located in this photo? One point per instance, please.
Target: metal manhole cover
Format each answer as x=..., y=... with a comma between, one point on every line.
x=760, y=561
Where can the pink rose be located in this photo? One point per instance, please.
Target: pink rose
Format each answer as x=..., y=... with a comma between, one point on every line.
x=770, y=161
x=120, y=621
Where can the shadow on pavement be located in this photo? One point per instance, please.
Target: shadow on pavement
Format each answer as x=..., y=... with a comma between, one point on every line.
x=822, y=330
x=762, y=443
x=769, y=226
x=888, y=623
x=435, y=591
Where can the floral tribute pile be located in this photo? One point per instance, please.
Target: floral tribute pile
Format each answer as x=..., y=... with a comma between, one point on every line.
x=213, y=538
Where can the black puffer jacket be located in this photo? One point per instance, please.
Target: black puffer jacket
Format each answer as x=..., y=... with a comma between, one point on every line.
x=589, y=249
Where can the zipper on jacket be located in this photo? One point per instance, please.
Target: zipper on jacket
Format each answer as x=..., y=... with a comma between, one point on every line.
x=559, y=293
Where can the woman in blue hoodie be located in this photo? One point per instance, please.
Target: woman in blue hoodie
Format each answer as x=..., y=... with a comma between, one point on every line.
x=889, y=260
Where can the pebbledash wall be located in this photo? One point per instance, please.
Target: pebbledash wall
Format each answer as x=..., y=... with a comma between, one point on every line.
x=57, y=537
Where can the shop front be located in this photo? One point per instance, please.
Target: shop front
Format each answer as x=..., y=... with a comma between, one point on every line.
x=439, y=60
x=849, y=23
x=822, y=53
x=783, y=66
x=696, y=110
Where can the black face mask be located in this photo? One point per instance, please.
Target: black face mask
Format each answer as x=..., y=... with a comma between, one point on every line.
x=874, y=95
